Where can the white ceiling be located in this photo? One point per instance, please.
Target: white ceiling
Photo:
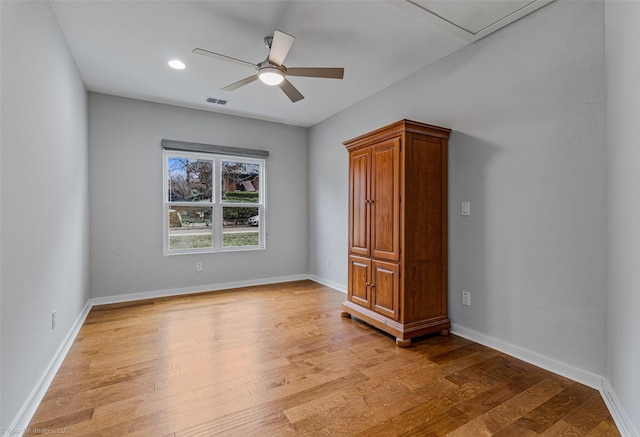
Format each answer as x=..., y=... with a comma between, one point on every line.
x=122, y=47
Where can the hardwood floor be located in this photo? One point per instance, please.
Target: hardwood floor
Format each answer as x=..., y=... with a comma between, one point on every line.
x=279, y=360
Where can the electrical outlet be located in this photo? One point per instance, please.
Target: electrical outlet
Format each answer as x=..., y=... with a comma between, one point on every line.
x=466, y=298
x=54, y=319
x=198, y=267
x=328, y=263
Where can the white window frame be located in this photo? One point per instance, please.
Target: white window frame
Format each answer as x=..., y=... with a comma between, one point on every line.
x=216, y=203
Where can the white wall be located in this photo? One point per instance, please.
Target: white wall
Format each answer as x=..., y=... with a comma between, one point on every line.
x=125, y=162
x=45, y=207
x=528, y=151
x=623, y=139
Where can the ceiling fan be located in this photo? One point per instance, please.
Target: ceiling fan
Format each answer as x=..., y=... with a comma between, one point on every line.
x=272, y=70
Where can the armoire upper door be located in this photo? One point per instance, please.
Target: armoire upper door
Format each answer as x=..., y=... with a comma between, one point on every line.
x=385, y=200
x=359, y=200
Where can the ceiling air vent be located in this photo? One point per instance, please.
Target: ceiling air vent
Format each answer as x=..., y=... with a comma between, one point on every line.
x=216, y=101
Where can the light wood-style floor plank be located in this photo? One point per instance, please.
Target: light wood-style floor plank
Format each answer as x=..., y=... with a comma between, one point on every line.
x=278, y=360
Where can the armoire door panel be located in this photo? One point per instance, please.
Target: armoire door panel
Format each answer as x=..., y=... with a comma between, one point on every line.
x=359, y=277
x=359, y=210
x=385, y=196
x=386, y=288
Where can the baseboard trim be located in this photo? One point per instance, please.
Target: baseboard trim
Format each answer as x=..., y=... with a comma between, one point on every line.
x=620, y=417
x=120, y=298
x=334, y=285
x=26, y=413
x=582, y=376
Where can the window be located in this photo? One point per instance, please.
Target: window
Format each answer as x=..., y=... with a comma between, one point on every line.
x=213, y=202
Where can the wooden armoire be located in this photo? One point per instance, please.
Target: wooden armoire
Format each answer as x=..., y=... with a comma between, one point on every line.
x=398, y=230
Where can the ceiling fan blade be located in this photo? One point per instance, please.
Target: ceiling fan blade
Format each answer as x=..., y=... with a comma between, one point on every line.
x=280, y=47
x=223, y=57
x=238, y=84
x=327, y=73
x=291, y=91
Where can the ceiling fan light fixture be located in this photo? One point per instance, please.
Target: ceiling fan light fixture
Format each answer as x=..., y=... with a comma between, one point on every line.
x=271, y=75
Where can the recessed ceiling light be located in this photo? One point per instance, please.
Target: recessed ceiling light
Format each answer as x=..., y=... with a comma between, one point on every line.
x=178, y=65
